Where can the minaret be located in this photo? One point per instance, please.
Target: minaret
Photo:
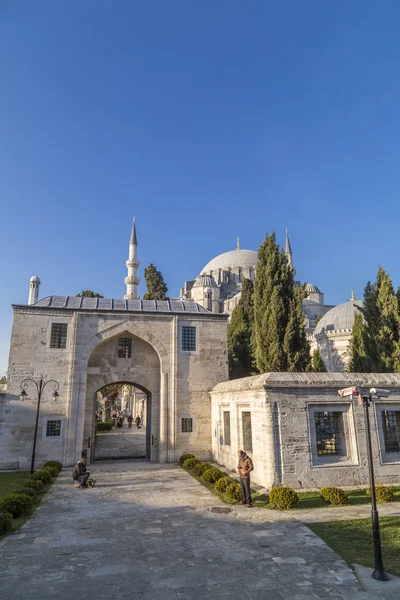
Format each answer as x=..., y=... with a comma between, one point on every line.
x=237, y=243
x=132, y=281
x=288, y=251
x=34, y=284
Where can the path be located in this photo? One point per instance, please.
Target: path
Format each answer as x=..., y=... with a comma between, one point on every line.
x=145, y=533
x=124, y=442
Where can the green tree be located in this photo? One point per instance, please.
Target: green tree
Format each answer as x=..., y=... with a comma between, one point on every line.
x=156, y=287
x=240, y=350
x=278, y=336
x=317, y=365
x=89, y=294
x=359, y=361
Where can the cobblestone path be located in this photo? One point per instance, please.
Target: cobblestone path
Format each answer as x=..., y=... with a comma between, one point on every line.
x=145, y=532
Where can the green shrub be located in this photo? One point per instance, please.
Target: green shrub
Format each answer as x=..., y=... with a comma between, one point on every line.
x=5, y=522
x=52, y=470
x=28, y=490
x=16, y=504
x=382, y=493
x=54, y=463
x=234, y=491
x=107, y=426
x=334, y=495
x=199, y=468
x=212, y=475
x=222, y=484
x=185, y=457
x=283, y=497
x=42, y=475
x=35, y=484
x=190, y=463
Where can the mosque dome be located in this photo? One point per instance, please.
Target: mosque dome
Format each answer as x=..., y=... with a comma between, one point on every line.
x=339, y=318
x=34, y=279
x=312, y=289
x=232, y=259
x=205, y=281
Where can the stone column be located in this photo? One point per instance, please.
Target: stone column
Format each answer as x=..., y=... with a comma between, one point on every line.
x=163, y=441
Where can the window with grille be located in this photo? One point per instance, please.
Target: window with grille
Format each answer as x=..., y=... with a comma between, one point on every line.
x=53, y=429
x=187, y=425
x=227, y=428
x=391, y=430
x=247, y=433
x=329, y=432
x=189, y=339
x=124, y=348
x=58, y=337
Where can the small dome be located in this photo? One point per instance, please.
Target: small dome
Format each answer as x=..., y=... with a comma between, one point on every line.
x=339, y=318
x=312, y=289
x=34, y=279
x=205, y=281
x=233, y=259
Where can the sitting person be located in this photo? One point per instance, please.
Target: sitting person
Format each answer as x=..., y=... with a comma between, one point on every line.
x=80, y=475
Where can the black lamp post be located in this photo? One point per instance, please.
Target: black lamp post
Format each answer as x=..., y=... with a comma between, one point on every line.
x=39, y=388
x=379, y=570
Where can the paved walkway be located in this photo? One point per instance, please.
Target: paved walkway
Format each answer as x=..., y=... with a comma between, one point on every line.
x=145, y=532
x=124, y=442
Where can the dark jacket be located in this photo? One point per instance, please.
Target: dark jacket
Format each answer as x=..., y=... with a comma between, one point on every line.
x=79, y=470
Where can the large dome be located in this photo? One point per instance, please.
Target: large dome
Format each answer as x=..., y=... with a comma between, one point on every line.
x=339, y=318
x=233, y=259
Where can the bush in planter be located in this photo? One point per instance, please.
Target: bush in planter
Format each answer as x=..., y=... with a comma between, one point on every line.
x=42, y=475
x=190, y=463
x=234, y=491
x=107, y=426
x=5, y=522
x=212, y=475
x=283, y=497
x=35, y=484
x=382, y=493
x=16, y=504
x=223, y=483
x=334, y=495
x=53, y=463
x=185, y=457
x=52, y=470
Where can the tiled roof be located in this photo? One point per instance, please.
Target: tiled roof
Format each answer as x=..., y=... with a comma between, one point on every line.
x=113, y=304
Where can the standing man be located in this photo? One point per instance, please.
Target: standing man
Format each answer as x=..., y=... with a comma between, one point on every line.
x=245, y=466
x=80, y=475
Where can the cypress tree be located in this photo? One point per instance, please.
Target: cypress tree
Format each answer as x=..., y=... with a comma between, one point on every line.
x=359, y=362
x=388, y=330
x=156, y=287
x=295, y=344
x=318, y=365
x=240, y=350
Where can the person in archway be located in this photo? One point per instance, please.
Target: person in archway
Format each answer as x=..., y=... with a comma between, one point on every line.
x=138, y=422
x=245, y=466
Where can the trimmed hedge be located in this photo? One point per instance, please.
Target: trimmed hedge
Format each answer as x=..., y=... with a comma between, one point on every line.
x=234, y=491
x=5, y=522
x=28, y=490
x=42, y=475
x=53, y=463
x=35, y=484
x=16, y=504
x=212, y=475
x=185, y=457
x=223, y=483
x=190, y=463
x=105, y=426
x=382, y=493
x=52, y=470
x=283, y=497
x=334, y=495
x=199, y=468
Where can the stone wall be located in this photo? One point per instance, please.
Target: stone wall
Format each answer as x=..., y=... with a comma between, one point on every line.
x=286, y=414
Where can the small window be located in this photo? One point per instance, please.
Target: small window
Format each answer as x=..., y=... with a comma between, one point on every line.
x=187, y=425
x=247, y=433
x=329, y=432
x=391, y=430
x=188, y=339
x=53, y=429
x=227, y=428
x=58, y=338
x=124, y=348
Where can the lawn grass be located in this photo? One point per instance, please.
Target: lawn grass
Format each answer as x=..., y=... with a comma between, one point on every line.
x=352, y=540
x=13, y=482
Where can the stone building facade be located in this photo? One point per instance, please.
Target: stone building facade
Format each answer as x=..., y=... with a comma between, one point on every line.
x=301, y=433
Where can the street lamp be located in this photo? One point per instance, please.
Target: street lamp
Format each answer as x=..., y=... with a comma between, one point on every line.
x=39, y=389
x=379, y=572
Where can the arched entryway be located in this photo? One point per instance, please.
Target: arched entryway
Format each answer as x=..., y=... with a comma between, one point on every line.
x=122, y=422
x=124, y=360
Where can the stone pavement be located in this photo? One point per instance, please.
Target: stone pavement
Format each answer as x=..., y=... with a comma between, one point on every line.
x=124, y=442
x=145, y=532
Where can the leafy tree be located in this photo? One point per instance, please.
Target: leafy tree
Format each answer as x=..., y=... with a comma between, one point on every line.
x=359, y=361
x=317, y=365
x=156, y=287
x=240, y=350
x=89, y=294
x=279, y=336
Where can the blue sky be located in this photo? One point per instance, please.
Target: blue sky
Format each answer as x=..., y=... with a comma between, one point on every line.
x=207, y=120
